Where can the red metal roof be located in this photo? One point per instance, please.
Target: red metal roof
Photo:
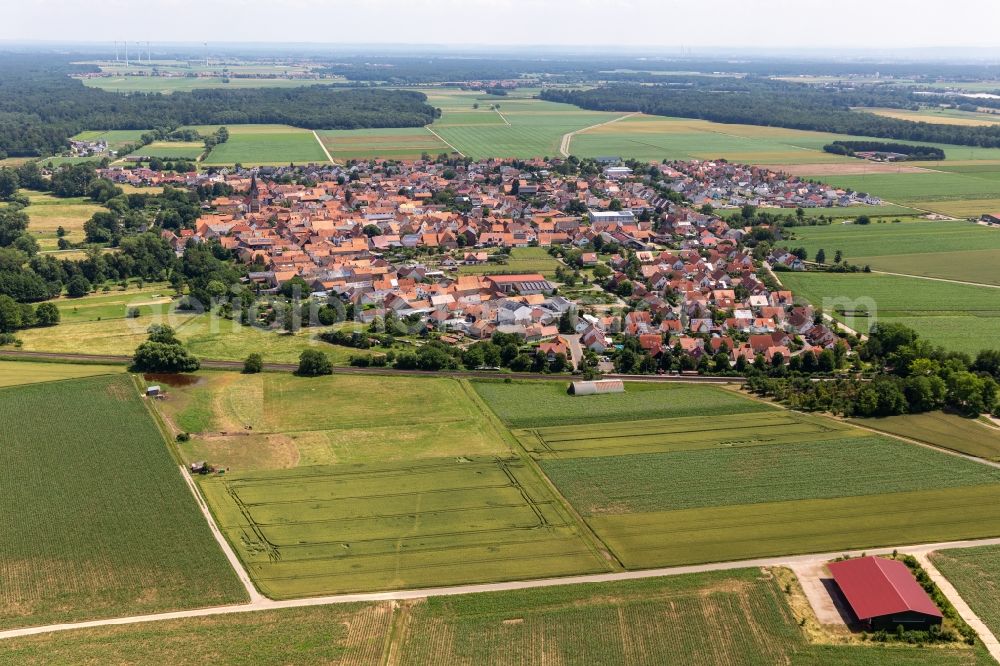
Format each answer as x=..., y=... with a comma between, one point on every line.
x=875, y=586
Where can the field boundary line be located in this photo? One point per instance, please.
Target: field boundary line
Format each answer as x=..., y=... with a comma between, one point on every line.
x=424, y=593
x=564, y=144
x=963, y=609
x=234, y=561
x=926, y=445
x=502, y=117
x=937, y=279
x=322, y=145
x=442, y=140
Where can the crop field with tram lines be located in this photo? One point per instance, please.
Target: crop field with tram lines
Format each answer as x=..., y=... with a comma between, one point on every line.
x=324, y=530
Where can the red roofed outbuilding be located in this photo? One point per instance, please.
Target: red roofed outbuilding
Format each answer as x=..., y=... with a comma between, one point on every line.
x=883, y=594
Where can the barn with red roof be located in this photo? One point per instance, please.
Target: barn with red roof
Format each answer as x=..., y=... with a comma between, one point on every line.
x=883, y=593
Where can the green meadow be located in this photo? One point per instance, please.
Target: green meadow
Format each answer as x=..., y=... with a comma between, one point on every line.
x=267, y=144
x=956, y=316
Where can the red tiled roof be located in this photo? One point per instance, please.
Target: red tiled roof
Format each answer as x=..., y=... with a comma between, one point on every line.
x=876, y=586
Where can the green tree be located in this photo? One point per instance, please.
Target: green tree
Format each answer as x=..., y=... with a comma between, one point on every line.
x=46, y=314
x=253, y=364
x=313, y=363
x=78, y=286
x=820, y=255
x=9, y=183
x=10, y=315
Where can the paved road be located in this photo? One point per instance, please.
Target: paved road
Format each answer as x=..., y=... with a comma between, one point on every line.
x=989, y=640
x=400, y=595
x=216, y=364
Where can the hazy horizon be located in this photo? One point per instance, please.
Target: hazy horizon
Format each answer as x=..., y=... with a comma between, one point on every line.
x=874, y=26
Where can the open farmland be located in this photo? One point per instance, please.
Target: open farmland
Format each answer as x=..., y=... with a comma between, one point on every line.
x=952, y=193
x=115, y=138
x=540, y=404
x=949, y=250
x=327, y=529
x=97, y=520
x=948, y=431
x=521, y=260
x=662, y=487
x=523, y=127
x=955, y=316
x=776, y=472
x=329, y=420
x=678, y=434
x=267, y=145
x=47, y=213
x=708, y=619
x=14, y=373
x=102, y=328
x=401, y=143
x=937, y=116
x=171, y=150
x=975, y=573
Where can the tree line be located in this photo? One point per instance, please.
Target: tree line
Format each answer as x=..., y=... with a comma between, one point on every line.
x=850, y=148
x=778, y=104
x=41, y=106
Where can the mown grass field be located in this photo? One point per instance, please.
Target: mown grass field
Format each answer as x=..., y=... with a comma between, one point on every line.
x=707, y=619
x=950, y=250
x=522, y=260
x=328, y=529
x=171, y=150
x=850, y=466
x=948, y=431
x=47, y=213
x=956, y=316
x=88, y=331
x=539, y=404
x=267, y=144
x=975, y=573
x=115, y=138
x=97, y=520
x=405, y=143
x=15, y=373
x=937, y=116
x=329, y=420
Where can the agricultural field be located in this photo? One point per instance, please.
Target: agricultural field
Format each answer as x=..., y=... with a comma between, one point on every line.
x=328, y=529
x=267, y=145
x=47, y=213
x=951, y=250
x=702, y=619
x=975, y=573
x=97, y=520
x=956, y=316
x=521, y=127
x=931, y=190
x=531, y=404
x=404, y=143
x=727, y=431
x=16, y=373
x=948, y=431
x=522, y=260
x=936, y=116
x=103, y=328
x=295, y=422
x=768, y=473
x=664, y=487
x=171, y=150
x=115, y=304
x=115, y=138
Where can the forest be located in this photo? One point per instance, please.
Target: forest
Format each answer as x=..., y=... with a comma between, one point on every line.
x=767, y=102
x=916, y=153
x=41, y=106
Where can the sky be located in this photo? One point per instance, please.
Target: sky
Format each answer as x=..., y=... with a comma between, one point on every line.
x=664, y=24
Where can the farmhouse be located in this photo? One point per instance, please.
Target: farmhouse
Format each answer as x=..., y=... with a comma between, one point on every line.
x=597, y=387
x=883, y=594
x=990, y=218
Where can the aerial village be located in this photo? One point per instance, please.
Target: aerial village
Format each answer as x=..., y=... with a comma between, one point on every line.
x=436, y=242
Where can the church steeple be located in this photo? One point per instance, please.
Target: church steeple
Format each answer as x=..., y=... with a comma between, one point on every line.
x=254, y=194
